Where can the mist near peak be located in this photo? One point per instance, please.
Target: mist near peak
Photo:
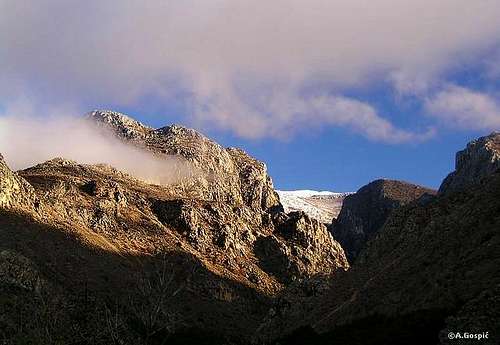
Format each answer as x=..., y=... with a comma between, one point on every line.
x=29, y=140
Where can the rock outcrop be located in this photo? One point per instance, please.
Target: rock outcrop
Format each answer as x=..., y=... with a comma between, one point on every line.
x=365, y=212
x=14, y=191
x=299, y=244
x=479, y=159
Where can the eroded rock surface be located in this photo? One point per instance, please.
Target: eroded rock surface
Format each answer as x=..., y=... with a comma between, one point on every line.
x=219, y=255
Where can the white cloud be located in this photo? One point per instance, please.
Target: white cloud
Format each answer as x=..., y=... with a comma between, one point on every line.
x=364, y=119
x=460, y=107
x=281, y=114
x=228, y=56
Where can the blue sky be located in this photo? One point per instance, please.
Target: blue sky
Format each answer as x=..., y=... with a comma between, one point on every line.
x=330, y=94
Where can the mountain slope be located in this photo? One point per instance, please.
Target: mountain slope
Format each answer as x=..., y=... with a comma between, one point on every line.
x=209, y=253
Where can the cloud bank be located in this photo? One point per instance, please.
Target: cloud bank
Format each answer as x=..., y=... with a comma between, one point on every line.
x=256, y=68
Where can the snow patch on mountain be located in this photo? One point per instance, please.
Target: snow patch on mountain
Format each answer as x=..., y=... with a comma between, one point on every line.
x=322, y=205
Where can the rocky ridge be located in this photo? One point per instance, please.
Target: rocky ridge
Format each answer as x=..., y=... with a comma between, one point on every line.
x=237, y=183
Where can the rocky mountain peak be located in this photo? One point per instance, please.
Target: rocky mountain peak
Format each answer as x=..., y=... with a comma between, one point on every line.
x=400, y=191
x=479, y=159
x=176, y=129
x=364, y=212
x=124, y=126
x=228, y=175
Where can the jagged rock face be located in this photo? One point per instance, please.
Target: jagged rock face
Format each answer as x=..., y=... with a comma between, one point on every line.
x=300, y=244
x=227, y=175
x=256, y=185
x=479, y=159
x=218, y=274
x=364, y=212
x=14, y=191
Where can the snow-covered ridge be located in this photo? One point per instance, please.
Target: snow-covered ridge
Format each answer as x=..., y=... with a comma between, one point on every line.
x=322, y=205
x=307, y=193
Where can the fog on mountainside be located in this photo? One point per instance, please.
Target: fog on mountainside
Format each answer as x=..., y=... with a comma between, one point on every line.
x=27, y=141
